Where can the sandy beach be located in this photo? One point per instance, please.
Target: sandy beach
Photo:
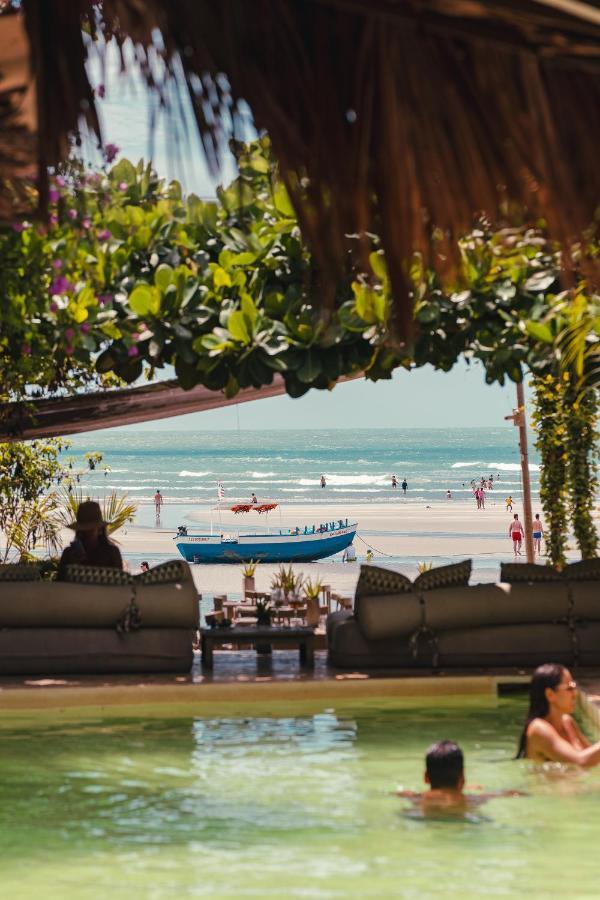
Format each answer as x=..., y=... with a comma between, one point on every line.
x=400, y=534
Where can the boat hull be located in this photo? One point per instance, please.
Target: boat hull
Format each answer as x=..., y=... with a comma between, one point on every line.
x=266, y=548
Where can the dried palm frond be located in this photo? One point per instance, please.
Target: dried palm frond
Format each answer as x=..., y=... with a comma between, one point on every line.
x=403, y=117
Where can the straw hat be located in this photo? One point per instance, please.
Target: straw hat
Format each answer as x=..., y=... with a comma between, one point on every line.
x=89, y=515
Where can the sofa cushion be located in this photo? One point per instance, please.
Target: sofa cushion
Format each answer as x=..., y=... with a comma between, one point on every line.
x=166, y=573
x=374, y=580
x=511, y=573
x=348, y=647
x=455, y=574
x=19, y=572
x=389, y=615
x=80, y=574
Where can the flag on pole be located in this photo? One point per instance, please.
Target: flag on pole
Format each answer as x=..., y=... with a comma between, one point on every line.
x=220, y=490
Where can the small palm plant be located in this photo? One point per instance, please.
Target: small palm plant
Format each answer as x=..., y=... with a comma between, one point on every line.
x=117, y=509
x=249, y=568
x=312, y=589
x=424, y=567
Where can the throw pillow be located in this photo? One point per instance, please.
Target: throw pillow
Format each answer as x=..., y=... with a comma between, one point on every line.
x=19, y=572
x=513, y=573
x=166, y=573
x=453, y=575
x=375, y=581
x=96, y=575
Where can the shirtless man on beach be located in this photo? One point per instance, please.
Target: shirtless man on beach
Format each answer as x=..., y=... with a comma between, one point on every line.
x=444, y=773
x=516, y=533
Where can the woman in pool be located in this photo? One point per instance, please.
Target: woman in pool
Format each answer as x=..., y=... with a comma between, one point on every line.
x=550, y=733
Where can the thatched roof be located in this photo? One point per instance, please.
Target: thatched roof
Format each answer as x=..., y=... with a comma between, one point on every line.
x=439, y=109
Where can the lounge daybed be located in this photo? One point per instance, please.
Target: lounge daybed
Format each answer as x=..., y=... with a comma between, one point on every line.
x=141, y=624
x=535, y=615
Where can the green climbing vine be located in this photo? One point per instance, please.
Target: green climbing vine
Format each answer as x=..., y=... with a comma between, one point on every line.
x=551, y=442
x=581, y=418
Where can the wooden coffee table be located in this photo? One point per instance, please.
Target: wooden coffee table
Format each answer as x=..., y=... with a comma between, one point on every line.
x=302, y=637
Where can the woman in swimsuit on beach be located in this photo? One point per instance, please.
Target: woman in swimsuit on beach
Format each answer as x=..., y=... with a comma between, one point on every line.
x=550, y=733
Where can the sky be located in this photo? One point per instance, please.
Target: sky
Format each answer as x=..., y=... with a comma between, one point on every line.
x=422, y=398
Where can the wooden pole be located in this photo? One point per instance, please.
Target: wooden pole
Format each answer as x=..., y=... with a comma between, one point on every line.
x=527, y=515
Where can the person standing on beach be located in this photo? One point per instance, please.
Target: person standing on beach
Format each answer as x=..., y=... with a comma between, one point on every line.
x=538, y=530
x=509, y=503
x=394, y=481
x=515, y=531
x=158, y=502
x=404, y=485
x=323, y=482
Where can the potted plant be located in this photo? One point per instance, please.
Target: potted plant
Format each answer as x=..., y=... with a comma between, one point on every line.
x=263, y=612
x=312, y=593
x=248, y=570
x=276, y=589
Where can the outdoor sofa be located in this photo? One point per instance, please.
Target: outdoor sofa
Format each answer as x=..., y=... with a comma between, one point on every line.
x=100, y=621
x=534, y=615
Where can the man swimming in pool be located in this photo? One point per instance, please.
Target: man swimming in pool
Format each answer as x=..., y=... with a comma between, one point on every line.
x=445, y=775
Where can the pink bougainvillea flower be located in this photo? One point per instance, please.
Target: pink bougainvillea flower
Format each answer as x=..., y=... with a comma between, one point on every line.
x=105, y=299
x=110, y=151
x=104, y=235
x=85, y=327
x=54, y=307
x=53, y=219
x=60, y=285
x=72, y=213
x=123, y=185
x=69, y=334
x=53, y=195
x=18, y=227
x=133, y=351
x=57, y=263
x=86, y=223
x=26, y=349
x=60, y=181
x=69, y=350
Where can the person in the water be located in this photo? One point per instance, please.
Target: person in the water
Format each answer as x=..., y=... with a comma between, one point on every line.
x=550, y=733
x=445, y=775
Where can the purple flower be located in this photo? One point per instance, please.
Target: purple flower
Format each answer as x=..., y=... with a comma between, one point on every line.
x=104, y=235
x=133, y=351
x=69, y=334
x=72, y=213
x=69, y=350
x=85, y=327
x=18, y=227
x=60, y=285
x=53, y=219
x=86, y=223
x=110, y=151
x=57, y=263
x=105, y=299
x=123, y=185
x=53, y=195
x=60, y=181
x=54, y=307
x=26, y=349
x=135, y=336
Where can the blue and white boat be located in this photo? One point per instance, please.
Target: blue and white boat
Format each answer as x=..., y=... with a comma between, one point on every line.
x=271, y=545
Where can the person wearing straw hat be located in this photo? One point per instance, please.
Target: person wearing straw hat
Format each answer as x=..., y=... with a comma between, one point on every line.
x=91, y=545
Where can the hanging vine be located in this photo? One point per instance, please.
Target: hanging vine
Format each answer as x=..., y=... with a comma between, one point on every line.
x=581, y=418
x=551, y=442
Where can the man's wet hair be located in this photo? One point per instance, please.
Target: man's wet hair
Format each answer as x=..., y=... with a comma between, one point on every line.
x=444, y=764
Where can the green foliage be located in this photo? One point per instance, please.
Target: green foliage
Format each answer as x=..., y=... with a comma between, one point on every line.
x=581, y=419
x=312, y=589
x=249, y=568
x=117, y=509
x=27, y=502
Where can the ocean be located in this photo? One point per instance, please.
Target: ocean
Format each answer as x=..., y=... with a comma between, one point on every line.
x=286, y=465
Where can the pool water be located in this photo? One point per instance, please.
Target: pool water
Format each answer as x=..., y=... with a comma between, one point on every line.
x=284, y=806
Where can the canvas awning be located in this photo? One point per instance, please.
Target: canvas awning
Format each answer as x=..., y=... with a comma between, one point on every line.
x=409, y=116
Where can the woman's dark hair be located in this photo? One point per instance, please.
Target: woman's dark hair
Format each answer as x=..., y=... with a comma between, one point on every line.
x=444, y=764
x=103, y=537
x=547, y=676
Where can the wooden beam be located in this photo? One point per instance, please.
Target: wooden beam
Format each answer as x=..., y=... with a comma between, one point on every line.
x=108, y=409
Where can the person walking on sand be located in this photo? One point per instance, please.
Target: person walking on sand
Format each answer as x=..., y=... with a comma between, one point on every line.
x=394, y=481
x=509, y=503
x=448, y=495
x=158, y=502
x=404, y=486
x=516, y=533
x=323, y=482
x=538, y=531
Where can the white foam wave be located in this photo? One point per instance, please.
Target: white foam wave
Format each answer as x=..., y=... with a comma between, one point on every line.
x=466, y=465
x=262, y=474
x=511, y=467
x=341, y=480
x=185, y=474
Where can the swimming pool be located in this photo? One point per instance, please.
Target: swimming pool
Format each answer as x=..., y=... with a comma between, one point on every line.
x=294, y=805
